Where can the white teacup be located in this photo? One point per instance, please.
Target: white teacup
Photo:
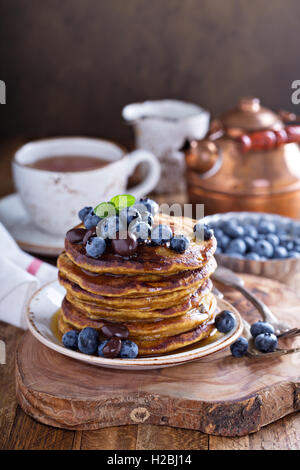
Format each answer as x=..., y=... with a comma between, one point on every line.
x=53, y=199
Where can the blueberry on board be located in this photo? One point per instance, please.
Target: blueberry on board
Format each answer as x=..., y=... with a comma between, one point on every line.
x=265, y=227
x=264, y=248
x=70, y=340
x=88, y=340
x=91, y=220
x=280, y=252
x=273, y=239
x=261, y=327
x=225, y=321
x=161, y=234
x=250, y=231
x=95, y=247
x=140, y=229
x=129, y=349
x=151, y=206
x=237, y=245
x=233, y=229
x=84, y=212
x=250, y=242
x=252, y=255
x=101, y=346
x=239, y=347
x=179, y=243
x=203, y=231
x=266, y=342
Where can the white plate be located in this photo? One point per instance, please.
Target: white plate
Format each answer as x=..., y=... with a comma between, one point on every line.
x=16, y=220
x=46, y=301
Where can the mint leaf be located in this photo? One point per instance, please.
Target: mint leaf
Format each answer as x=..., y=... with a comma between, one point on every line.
x=105, y=209
x=122, y=201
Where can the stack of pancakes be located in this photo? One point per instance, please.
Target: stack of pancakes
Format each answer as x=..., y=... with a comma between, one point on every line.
x=164, y=298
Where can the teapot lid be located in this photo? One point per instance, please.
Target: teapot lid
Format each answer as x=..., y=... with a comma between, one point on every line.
x=249, y=115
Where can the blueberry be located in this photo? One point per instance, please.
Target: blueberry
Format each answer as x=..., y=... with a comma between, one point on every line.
x=218, y=233
x=273, y=239
x=101, y=346
x=129, y=349
x=224, y=242
x=225, y=321
x=252, y=255
x=239, y=347
x=149, y=204
x=129, y=214
x=203, y=231
x=261, y=327
x=286, y=242
x=293, y=254
x=233, y=254
x=266, y=227
x=161, y=234
x=179, y=243
x=88, y=340
x=266, y=342
x=233, y=230
x=250, y=231
x=108, y=227
x=91, y=220
x=237, y=246
x=141, y=230
x=218, y=250
x=297, y=248
x=95, y=247
x=84, y=212
x=70, y=340
x=147, y=217
x=280, y=252
x=250, y=242
x=264, y=248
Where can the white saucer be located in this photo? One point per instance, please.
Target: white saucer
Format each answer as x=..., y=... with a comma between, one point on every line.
x=16, y=220
x=47, y=301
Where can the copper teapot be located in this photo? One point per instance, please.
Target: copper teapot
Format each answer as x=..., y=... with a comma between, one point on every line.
x=248, y=161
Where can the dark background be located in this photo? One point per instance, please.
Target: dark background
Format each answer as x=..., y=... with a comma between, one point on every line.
x=71, y=65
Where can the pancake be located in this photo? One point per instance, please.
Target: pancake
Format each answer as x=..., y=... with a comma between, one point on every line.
x=76, y=319
x=145, y=304
x=162, y=345
x=118, y=286
x=149, y=259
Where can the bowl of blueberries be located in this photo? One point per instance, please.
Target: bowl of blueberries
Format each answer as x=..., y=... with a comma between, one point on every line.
x=262, y=244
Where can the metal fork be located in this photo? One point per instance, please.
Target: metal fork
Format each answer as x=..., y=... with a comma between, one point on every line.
x=229, y=278
x=252, y=351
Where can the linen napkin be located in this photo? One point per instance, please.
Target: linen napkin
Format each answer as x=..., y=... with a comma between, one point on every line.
x=20, y=276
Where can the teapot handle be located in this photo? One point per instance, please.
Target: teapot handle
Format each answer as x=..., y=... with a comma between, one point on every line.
x=268, y=139
x=216, y=166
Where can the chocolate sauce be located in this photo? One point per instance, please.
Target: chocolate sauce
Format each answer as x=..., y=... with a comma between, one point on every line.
x=125, y=245
x=115, y=329
x=112, y=348
x=76, y=235
x=90, y=233
x=68, y=163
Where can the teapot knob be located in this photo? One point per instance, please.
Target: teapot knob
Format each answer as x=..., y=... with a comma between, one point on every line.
x=248, y=103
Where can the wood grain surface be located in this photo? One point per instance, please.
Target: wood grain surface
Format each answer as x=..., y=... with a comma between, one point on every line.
x=218, y=395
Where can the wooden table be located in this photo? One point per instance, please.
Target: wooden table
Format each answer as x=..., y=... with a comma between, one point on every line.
x=19, y=431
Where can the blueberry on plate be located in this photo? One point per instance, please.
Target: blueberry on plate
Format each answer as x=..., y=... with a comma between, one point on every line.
x=203, y=231
x=252, y=255
x=250, y=231
x=261, y=327
x=149, y=204
x=266, y=342
x=280, y=252
x=129, y=349
x=101, y=346
x=233, y=229
x=95, y=247
x=237, y=245
x=91, y=220
x=225, y=321
x=179, y=243
x=161, y=234
x=84, y=212
x=265, y=227
x=70, y=340
x=264, y=248
x=239, y=347
x=88, y=340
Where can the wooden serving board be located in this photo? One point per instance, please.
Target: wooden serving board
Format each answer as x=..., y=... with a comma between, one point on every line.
x=218, y=395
